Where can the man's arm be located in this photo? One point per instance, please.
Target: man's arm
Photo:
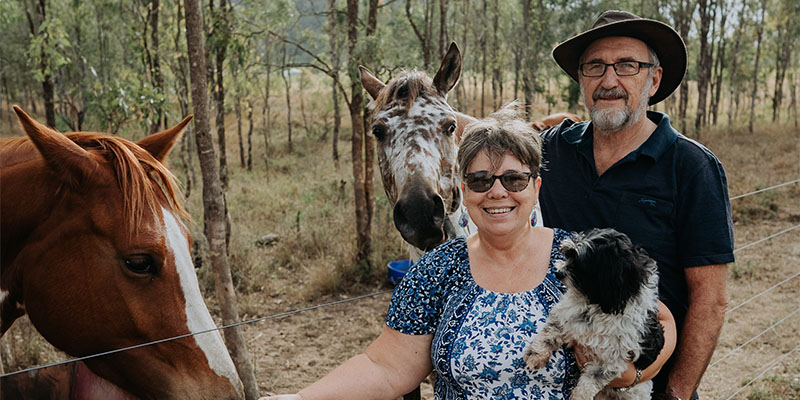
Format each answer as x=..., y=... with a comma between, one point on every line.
x=697, y=340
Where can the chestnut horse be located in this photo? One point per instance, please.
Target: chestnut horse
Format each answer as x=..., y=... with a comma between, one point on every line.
x=95, y=252
x=418, y=134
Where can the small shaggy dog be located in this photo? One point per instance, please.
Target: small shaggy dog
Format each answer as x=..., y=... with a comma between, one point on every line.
x=610, y=308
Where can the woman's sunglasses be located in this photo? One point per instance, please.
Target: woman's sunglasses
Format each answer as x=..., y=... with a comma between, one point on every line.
x=482, y=181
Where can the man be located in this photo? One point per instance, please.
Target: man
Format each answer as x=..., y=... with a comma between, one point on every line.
x=630, y=170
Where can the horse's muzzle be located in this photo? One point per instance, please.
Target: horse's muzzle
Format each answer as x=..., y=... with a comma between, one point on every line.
x=419, y=215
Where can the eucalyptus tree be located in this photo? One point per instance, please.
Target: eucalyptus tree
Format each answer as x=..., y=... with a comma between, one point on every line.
x=213, y=203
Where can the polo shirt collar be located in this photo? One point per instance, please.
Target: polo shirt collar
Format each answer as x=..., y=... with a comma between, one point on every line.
x=658, y=142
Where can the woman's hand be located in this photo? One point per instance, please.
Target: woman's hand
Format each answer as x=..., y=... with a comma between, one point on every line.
x=283, y=397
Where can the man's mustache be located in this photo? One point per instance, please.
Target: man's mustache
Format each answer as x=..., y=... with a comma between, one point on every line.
x=610, y=94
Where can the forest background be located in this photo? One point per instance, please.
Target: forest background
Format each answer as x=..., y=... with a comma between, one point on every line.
x=307, y=220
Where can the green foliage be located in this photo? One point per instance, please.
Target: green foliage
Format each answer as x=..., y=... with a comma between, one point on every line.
x=51, y=45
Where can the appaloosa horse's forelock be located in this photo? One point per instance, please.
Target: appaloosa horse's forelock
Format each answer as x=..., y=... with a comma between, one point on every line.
x=417, y=134
x=94, y=251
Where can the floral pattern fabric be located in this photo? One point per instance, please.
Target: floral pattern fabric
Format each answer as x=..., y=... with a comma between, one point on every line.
x=479, y=336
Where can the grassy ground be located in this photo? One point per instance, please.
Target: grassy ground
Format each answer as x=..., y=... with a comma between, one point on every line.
x=307, y=201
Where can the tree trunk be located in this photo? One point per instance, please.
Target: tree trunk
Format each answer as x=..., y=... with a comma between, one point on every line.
x=483, y=63
x=179, y=69
x=423, y=35
x=35, y=21
x=527, y=80
x=442, y=28
x=461, y=88
x=250, y=135
x=266, y=111
x=783, y=55
x=682, y=17
x=219, y=57
x=737, y=41
x=704, y=64
x=357, y=139
x=213, y=204
x=759, y=34
x=238, y=110
x=793, y=93
x=719, y=63
x=154, y=63
x=334, y=45
x=287, y=86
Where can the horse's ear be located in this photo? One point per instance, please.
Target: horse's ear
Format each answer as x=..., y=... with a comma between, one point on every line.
x=159, y=144
x=449, y=71
x=61, y=154
x=372, y=84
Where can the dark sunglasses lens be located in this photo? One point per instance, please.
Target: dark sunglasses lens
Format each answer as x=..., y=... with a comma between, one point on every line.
x=515, y=181
x=479, y=181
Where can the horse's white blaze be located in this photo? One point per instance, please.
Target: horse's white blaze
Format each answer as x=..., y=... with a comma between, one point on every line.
x=197, y=315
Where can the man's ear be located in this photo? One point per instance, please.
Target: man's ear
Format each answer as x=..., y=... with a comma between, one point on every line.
x=657, y=74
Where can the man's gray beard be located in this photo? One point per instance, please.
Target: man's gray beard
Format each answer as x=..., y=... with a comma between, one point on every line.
x=611, y=120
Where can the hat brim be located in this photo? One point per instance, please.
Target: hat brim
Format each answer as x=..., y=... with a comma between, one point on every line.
x=667, y=44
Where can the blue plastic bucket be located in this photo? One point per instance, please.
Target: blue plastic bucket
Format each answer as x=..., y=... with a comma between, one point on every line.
x=397, y=270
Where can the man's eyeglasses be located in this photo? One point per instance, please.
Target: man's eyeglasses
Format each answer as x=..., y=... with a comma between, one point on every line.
x=622, y=68
x=482, y=181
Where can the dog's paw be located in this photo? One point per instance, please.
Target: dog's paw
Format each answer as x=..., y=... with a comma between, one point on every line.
x=535, y=359
x=583, y=392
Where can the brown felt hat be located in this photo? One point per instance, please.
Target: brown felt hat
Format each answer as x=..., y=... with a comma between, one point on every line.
x=667, y=44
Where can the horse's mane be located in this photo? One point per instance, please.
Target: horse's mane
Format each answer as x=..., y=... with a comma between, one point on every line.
x=139, y=175
x=407, y=86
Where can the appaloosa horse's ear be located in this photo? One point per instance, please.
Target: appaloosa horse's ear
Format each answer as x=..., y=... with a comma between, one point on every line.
x=159, y=144
x=62, y=155
x=450, y=71
x=372, y=84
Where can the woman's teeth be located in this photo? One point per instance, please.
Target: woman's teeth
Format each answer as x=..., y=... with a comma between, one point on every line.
x=498, y=210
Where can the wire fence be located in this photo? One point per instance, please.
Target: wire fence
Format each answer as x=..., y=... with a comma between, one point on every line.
x=357, y=298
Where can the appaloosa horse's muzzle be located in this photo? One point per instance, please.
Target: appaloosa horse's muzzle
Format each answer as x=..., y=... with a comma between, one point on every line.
x=419, y=214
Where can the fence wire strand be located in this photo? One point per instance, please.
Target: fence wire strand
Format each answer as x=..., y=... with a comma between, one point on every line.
x=284, y=314
x=772, y=364
x=352, y=299
x=765, y=189
x=763, y=292
x=754, y=338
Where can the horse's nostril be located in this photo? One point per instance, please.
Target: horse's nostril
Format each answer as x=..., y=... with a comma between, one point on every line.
x=419, y=216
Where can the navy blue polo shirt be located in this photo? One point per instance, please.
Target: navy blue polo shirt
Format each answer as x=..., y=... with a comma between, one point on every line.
x=669, y=196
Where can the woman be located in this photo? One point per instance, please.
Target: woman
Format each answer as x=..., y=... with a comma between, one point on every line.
x=468, y=308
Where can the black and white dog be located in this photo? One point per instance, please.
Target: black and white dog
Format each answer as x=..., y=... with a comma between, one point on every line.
x=610, y=308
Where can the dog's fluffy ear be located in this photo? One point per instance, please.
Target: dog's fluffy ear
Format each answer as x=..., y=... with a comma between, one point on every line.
x=603, y=265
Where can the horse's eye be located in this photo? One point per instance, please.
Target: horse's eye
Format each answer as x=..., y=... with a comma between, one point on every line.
x=141, y=264
x=450, y=128
x=379, y=131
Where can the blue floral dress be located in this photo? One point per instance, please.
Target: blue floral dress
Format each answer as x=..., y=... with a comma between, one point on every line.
x=480, y=336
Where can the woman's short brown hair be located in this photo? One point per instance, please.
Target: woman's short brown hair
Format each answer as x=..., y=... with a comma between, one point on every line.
x=501, y=132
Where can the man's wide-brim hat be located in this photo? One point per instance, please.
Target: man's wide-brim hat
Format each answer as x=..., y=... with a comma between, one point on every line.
x=666, y=43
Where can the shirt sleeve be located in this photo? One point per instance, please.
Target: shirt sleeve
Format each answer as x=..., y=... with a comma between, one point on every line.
x=705, y=225
x=414, y=307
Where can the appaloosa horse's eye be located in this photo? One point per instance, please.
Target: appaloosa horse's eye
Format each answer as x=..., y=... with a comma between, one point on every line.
x=379, y=131
x=450, y=128
x=141, y=264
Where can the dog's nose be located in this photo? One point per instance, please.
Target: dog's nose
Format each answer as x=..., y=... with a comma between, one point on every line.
x=560, y=275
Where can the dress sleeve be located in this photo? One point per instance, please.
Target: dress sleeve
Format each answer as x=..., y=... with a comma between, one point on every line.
x=415, y=309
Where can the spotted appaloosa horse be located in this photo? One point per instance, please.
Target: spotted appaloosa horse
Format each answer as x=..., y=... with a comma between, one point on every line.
x=418, y=135
x=94, y=250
